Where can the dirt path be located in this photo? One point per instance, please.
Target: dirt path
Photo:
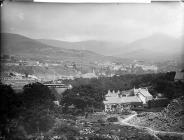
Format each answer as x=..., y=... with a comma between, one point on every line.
x=128, y=118
x=149, y=130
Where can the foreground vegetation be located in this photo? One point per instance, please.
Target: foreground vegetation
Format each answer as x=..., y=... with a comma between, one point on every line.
x=26, y=113
x=32, y=112
x=170, y=118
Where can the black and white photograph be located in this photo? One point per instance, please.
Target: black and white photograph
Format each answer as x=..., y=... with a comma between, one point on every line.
x=92, y=71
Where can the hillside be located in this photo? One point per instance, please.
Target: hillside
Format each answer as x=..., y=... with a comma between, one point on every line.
x=100, y=47
x=15, y=44
x=156, y=47
x=169, y=119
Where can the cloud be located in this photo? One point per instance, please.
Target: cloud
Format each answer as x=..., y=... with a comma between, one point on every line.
x=109, y=22
x=21, y=16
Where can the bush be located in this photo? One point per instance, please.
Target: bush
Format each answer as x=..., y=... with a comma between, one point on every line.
x=68, y=131
x=158, y=103
x=9, y=108
x=101, y=121
x=112, y=119
x=37, y=94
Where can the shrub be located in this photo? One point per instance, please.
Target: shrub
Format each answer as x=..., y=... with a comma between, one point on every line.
x=112, y=119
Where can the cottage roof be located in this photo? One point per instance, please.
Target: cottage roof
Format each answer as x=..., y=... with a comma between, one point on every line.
x=71, y=106
x=121, y=100
x=144, y=92
x=113, y=100
x=130, y=99
x=179, y=76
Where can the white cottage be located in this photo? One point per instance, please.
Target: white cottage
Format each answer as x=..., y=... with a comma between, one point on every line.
x=116, y=102
x=143, y=94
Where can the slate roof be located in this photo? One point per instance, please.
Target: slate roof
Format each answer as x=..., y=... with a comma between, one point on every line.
x=130, y=99
x=111, y=100
x=121, y=100
x=145, y=93
x=179, y=76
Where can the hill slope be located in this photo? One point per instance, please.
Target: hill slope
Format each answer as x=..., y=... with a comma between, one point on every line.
x=156, y=47
x=169, y=119
x=15, y=44
x=100, y=47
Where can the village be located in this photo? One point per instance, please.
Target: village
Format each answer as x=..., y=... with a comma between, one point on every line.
x=72, y=70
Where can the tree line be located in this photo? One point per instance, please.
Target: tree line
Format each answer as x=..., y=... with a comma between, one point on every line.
x=26, y=113
x=90, y=93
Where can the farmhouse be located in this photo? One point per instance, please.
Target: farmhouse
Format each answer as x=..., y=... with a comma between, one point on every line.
x=118, y=101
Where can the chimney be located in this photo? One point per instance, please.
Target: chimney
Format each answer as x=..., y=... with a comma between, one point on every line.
x=113, y=92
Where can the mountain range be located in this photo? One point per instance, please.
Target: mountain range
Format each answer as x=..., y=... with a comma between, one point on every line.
x=157, y=47
x=100, y=47
x=19, y=45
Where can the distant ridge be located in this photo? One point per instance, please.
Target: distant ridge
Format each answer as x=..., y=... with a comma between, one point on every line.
x=100, y=47
x=30, y=48
x=156, y=47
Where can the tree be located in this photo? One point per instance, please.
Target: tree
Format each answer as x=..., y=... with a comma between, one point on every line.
x=38, y=109
x=83, y=97
x=9, y=108
x=37, y=120
x=36, y=94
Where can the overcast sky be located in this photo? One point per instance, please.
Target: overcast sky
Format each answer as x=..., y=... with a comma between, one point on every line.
x=103, y=22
